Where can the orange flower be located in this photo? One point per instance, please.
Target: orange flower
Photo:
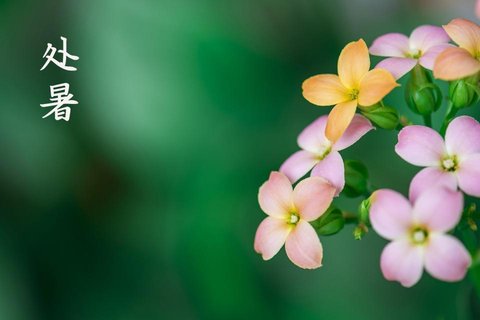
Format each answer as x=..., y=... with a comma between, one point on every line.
x=355, y=85
x=462, y=61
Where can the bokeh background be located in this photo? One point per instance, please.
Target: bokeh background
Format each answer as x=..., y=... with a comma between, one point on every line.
x=144, y=205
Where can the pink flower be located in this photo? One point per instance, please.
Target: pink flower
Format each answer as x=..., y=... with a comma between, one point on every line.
x=289, y=212
x=423, y=46
x=321, y=154
x=453, y=163
x=418, y=234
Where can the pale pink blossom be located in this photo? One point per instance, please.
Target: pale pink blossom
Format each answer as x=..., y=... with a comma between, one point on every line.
x=418, y=234
x=453, y=162
x=289, y=213
x=321, y=154
x=423, y=46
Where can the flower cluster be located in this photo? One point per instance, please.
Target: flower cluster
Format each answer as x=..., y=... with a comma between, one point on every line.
x=426, y=229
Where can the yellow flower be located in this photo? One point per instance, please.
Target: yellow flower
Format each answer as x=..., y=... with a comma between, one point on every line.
x=355, y=85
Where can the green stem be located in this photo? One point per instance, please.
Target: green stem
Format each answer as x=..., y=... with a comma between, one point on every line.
x=402, y=123
x=349, y=217
x=451, y=112
x=427, y=119
x=474, y=273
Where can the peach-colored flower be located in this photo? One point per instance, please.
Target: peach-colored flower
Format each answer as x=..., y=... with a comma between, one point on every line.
x=355, y=85
x=289, y=212
x=462, y=61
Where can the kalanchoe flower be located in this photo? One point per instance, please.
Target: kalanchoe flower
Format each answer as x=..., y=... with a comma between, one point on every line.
x=355, y=85
x=321, y=154
x=462, y=61
x=418, y=234
x=424, y=45
x=451, y=163
x=289, y=213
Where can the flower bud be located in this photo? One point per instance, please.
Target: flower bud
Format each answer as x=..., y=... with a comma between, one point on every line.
x=360, y=231
x=464, y=92
x=363, y=219
x=330, y=222
x=381, y=116
x=421, y=94
x=364, y=211
x=356, y=179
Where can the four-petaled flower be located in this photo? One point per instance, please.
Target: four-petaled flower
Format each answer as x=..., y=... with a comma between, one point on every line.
x=418, y=234
x=418, y=228
x=451, y=163
x=289, y=212
x=355, y=85
x=462, y=61
x=424, y=45
x=321, y=154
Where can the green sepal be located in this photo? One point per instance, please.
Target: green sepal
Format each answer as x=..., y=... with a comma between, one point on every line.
x=331, y=222
x=382, y=116
x=423, y=96
x=464, y=92
x=356, y=179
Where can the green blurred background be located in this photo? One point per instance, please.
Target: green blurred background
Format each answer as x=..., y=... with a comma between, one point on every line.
x=144, y=205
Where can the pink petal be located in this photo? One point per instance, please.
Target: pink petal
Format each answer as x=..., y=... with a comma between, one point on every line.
x=427, y=60
x=477, y=8
x=332, y=169
x=468, y=175
x=402, y=262
x=390, y=214
x=275, y=196
x=446, y=258
x=428, y=178
x=420, y=146
x=390, y=45
x=312, y=197
x=355, y=130
x=398, y=67
x=463, y=136
x=425, y=37
x=303, y=246
x=270, y=237
x=439, y=209
x=313, y=137
x=298, y=164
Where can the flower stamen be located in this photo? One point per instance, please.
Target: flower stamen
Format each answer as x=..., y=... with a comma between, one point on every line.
x=293, y=218
x=419, y=235
x=415, y=54
x=450, y=164
x=324, y=153
x=354, y=94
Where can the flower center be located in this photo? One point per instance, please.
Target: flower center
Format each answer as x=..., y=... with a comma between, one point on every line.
x=419, y=235
x=450, y=164
x=354, y=94
x=414, y=54
x=324, y=151
x=293, y=218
